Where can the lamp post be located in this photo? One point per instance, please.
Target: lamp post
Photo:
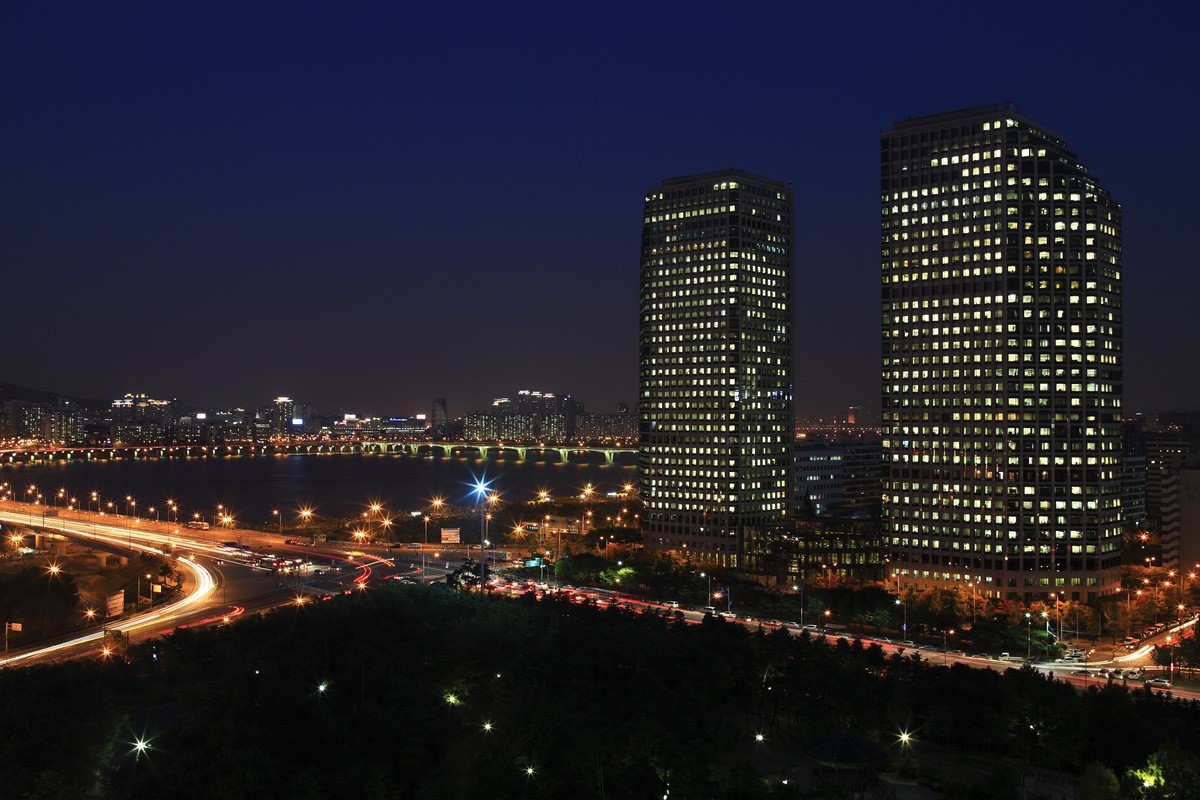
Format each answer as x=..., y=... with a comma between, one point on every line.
x=1028, y=636
x=945, y=647
x=305, y=517
x=904, y=627
x=278, y=520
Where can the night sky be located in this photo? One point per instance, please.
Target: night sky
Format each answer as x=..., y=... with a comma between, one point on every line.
x=366, y=205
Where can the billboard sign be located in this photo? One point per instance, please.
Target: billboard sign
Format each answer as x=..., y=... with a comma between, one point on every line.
x=451, y=536
x=116, y=604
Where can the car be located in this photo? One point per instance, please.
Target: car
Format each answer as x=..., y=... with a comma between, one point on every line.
x=710, y=609
x=795, y=625
x=1103, y=672
x=1117, y=673
x=727, y=615
x=1158, y=683
x=774, y=622
x=955, y=653
x=671, y=603
x=810, y=627
x=1084, y=672
x=909, y=643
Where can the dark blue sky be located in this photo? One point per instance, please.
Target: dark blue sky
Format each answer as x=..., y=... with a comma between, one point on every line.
x=367, y=205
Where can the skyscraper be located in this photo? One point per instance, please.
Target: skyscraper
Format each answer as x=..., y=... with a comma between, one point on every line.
x=439, y=420
x=715, y=404
x=1002, y=380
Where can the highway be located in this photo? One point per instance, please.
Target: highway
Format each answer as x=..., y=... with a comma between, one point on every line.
x=220, y=583
x=1064, y=671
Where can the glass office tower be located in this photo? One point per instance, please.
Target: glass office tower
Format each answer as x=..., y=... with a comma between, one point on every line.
x=715, y=404
x=1001, y=259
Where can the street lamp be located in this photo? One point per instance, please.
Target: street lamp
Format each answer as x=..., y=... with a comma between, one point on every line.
x=945, y=647
x=278, y=520
x=904, y=628
x=306, y=516
x=1028, y=636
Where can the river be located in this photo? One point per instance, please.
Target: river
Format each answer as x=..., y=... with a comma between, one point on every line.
x=336, y=485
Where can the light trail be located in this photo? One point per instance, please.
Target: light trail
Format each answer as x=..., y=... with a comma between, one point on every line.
x=145, y=542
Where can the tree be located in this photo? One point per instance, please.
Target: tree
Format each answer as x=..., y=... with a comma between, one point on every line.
x=1098, y=783
x=1171, y=773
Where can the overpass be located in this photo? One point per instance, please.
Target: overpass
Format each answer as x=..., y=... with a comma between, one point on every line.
x=415, y=447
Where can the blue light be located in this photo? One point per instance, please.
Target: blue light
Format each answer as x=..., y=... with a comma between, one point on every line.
x=480, y=488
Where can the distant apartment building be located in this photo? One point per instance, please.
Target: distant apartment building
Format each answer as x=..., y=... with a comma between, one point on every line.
x=138, y=408
x=27, y=421
x=144, y=432
x=64, y=426
x=617, y=428
x=529, y=416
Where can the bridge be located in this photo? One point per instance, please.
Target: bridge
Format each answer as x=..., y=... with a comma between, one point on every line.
x=422, y=448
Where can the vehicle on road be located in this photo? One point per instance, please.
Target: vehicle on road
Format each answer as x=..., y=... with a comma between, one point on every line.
x=1158, y=683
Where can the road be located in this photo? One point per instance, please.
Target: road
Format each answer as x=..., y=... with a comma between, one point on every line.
x=1062, y=671
x=220, y=583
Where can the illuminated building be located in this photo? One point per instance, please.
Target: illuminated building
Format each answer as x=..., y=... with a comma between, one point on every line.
x=1002, y=381
x=715, y=404
x=440, y=419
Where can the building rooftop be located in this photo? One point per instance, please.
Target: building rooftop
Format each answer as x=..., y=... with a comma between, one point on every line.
x=723, y=173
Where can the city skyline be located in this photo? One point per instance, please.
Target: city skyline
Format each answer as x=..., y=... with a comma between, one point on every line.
x=240, y=204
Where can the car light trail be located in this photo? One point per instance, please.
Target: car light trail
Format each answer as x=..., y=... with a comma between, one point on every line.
x=205, y=584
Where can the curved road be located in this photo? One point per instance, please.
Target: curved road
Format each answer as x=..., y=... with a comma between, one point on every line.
x=222, y=583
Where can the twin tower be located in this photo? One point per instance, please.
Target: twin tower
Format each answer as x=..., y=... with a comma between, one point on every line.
x=1001, y=361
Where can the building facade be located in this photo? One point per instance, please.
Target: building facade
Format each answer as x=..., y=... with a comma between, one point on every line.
x=715, y=374
x=1001, y=268
x=819, y=483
